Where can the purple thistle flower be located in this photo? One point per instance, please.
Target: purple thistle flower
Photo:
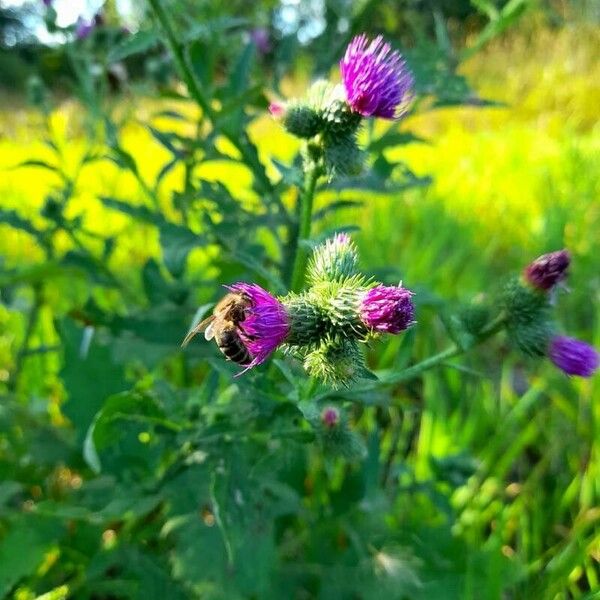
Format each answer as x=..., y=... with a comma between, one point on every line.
x=574, y=357
x=330, y=417
x=387, y=309
x=83, y=29
x=261, y=39
x=548, y=270
x=377, y=81
x=266, y=324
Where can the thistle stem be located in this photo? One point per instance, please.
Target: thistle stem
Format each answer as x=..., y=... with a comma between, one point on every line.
x=488, y=331
x=302, y=232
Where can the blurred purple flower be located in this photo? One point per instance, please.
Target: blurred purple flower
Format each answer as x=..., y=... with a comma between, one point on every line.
x=387, y=309
x=83, y=29
x=330, y=417
x=266, y=324
x=277, y=109
x=47, y=3
x=377, y=81
x=573, y=356
x=548, y=270
x=261, y=39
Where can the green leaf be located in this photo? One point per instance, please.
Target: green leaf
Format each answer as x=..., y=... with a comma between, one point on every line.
x=133, y=44
x=177, y=242
x=23, y=549
x=88, y=381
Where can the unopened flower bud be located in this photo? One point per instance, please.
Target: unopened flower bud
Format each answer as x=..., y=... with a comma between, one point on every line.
x=573, y=356
x=386, y=309
x=277, y=109
x=548, y=270
x=330, y=417
x=302, y=121
x=334, y=260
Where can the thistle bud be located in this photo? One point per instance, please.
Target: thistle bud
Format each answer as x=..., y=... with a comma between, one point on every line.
x=302, y=121
x=343, y=156
x=336, y=362
x=529, y=322
x=573, y=356
x=330, y=417
x=387, y=309
x=334, y=260
x=548, y=270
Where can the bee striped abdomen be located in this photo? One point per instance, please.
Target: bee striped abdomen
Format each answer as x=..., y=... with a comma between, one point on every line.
x=232, y=347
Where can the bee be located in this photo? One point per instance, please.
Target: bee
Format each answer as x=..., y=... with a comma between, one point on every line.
x=222, y=325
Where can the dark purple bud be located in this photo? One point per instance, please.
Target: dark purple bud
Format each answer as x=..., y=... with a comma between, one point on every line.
x=261, y=39
x=387, y=309
x=47, y=3
x=376, y=78
x=83, y=29
x=574, y=357
x=330, y=417
x=548, y=270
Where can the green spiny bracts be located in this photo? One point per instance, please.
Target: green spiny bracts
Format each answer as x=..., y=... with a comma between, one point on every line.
x=334, y=260
x=342, y=156
x=328, y=310
x=336, y=362
x=339, y=120
x=308, y=320
x=474, y=317
x=529, y=322
x=302, y=121
x=532, y=339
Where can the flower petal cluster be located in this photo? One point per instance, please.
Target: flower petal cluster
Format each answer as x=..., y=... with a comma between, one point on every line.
x=548, y=270
x=266, y=324
x=573, y=356
x=376, y=79
x=387, y=309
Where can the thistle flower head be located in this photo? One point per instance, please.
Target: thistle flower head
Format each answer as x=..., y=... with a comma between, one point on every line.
x=387, y=309
x=573, y=356
x=548, y=270
x=377, y=81
x=266, y=323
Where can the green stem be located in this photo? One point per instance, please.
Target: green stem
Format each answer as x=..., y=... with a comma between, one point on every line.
x=302, y=233
x=488, y=331
x=32, y=320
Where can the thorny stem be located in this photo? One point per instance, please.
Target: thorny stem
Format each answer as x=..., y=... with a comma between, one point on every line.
x=299, y=251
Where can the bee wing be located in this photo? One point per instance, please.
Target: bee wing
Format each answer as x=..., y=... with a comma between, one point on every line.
x=209, y=332
x=202, y=326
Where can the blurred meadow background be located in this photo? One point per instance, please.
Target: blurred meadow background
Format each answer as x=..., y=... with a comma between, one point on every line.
x=480, y=481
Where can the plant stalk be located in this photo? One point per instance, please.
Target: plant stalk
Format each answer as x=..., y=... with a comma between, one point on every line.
x=299, y=252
